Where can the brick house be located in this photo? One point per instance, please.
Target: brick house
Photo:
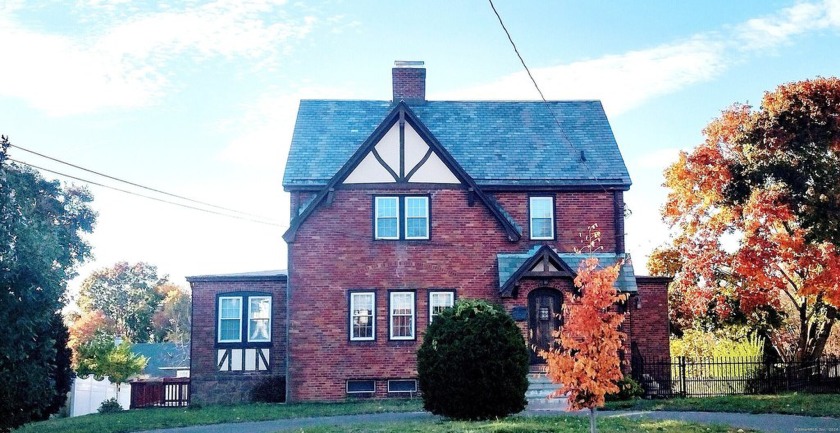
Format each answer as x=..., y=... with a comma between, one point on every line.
x=401, y=207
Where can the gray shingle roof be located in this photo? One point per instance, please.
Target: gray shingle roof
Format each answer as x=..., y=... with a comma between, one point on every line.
x=163, y=358
x=496, y=142
x=275, y=275
x=510, y=263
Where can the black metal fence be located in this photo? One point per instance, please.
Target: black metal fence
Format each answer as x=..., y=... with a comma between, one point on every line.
x=701, y=377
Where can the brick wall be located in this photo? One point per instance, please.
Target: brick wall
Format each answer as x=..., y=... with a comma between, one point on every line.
x=649, y=328
x=210, y=386
x=334, y=252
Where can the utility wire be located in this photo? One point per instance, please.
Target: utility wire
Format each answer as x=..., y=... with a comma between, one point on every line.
x=136, y=184
x=147, y=196
x=542, y=96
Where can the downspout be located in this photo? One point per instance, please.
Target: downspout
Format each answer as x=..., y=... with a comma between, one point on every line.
x=288, y=321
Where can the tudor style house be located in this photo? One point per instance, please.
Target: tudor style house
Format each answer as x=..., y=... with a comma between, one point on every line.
x=398, y=209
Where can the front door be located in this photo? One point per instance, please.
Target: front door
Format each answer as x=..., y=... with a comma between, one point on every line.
x=544, y=318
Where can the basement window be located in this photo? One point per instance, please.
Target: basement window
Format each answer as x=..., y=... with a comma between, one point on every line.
x=357, y=387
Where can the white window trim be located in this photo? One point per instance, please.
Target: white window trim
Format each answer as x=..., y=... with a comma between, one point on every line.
x=451, y=294
x=376, y=217
x=372, y=316
x=251, y=298
x=531, y=216
x=391, y=316
x=219, y=320
x=405, y=216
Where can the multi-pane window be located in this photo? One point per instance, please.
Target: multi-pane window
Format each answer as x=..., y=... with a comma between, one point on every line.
x=387, y=218
x=542, y=217
x=259, y=318
x=230, y=319
x=362, y=324
x=416, y=217
x=244, y=318
x=438, y=301
x=401, y=217
x=402, y=315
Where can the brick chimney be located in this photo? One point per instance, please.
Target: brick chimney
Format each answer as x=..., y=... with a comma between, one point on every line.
x=409, y=81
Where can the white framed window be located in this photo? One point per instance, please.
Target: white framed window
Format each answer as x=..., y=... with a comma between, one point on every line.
x=402, y=315
x=438, y=301
x=230, y=319
x=362, y=317
x=417, y=217
x=541, y=211
x=387, y=215
x=259, y=319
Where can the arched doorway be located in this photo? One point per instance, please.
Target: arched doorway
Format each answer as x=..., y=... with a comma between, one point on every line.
x=544, y=317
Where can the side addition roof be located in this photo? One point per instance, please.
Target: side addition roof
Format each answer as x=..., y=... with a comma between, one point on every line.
x=498, y=143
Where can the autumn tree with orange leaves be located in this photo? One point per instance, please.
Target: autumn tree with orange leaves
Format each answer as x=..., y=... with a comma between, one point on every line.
x=586, y=363
x=755, y=211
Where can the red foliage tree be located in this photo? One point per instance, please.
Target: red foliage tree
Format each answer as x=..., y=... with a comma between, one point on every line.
x=738, y=211
x=586, y=363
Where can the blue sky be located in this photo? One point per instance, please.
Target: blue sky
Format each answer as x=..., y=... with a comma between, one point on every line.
x=199, y=98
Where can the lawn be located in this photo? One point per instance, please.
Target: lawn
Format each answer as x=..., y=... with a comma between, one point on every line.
x=791, y=404
x=148, y=419
x=531, y=424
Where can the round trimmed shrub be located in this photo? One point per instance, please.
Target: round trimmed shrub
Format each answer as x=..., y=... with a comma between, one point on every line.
x=473, y=363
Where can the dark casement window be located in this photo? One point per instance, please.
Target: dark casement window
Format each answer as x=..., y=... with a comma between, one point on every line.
x=402, y=386
x=402, y=315
x=541, y=211
x=362, y=317
x=362, y=386
x=243, y=318
x=401, y=217
x=438, y=301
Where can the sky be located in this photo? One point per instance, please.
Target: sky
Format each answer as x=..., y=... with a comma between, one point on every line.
x=198, y=98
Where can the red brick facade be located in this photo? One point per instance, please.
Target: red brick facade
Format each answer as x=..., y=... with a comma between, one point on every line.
x=209, y=383
x=334, y=253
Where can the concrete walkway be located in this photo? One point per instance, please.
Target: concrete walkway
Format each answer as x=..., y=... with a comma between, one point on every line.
x=770, y=423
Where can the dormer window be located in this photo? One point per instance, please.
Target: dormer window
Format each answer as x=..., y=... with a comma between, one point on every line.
x=541, y=212
x=401, y=217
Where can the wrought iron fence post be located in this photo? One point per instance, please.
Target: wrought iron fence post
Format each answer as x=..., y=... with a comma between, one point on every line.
x=682, y=376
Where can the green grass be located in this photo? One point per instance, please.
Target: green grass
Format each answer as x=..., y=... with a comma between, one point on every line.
x=791, y=404
x=148, y=419
x=531, y=424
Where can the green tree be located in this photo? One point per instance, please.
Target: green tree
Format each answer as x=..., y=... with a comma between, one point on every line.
x=102, y=357
x=126, y=294
x=41, y=245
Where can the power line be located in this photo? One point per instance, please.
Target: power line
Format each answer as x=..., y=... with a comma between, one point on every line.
x=147, y=196
x=542, y=96
x=136, y=184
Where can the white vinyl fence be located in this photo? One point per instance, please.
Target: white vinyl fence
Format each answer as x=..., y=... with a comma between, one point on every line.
x=88, y=394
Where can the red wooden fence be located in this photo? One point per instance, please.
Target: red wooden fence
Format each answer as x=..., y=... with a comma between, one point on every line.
x=166, y=392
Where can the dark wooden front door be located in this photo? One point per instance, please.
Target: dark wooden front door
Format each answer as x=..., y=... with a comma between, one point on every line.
x=544, y=318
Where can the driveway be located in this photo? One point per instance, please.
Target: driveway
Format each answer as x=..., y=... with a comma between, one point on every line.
x=770, y=423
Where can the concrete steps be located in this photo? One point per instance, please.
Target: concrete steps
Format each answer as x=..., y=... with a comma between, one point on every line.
x=540, y=388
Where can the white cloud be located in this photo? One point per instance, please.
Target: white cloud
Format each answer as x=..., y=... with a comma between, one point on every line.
x=266, y=128
x=621, y=81
x=625, y=81
x=123, y=65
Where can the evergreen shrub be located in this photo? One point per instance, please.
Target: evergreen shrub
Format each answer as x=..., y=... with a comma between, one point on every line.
x=473, y=363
